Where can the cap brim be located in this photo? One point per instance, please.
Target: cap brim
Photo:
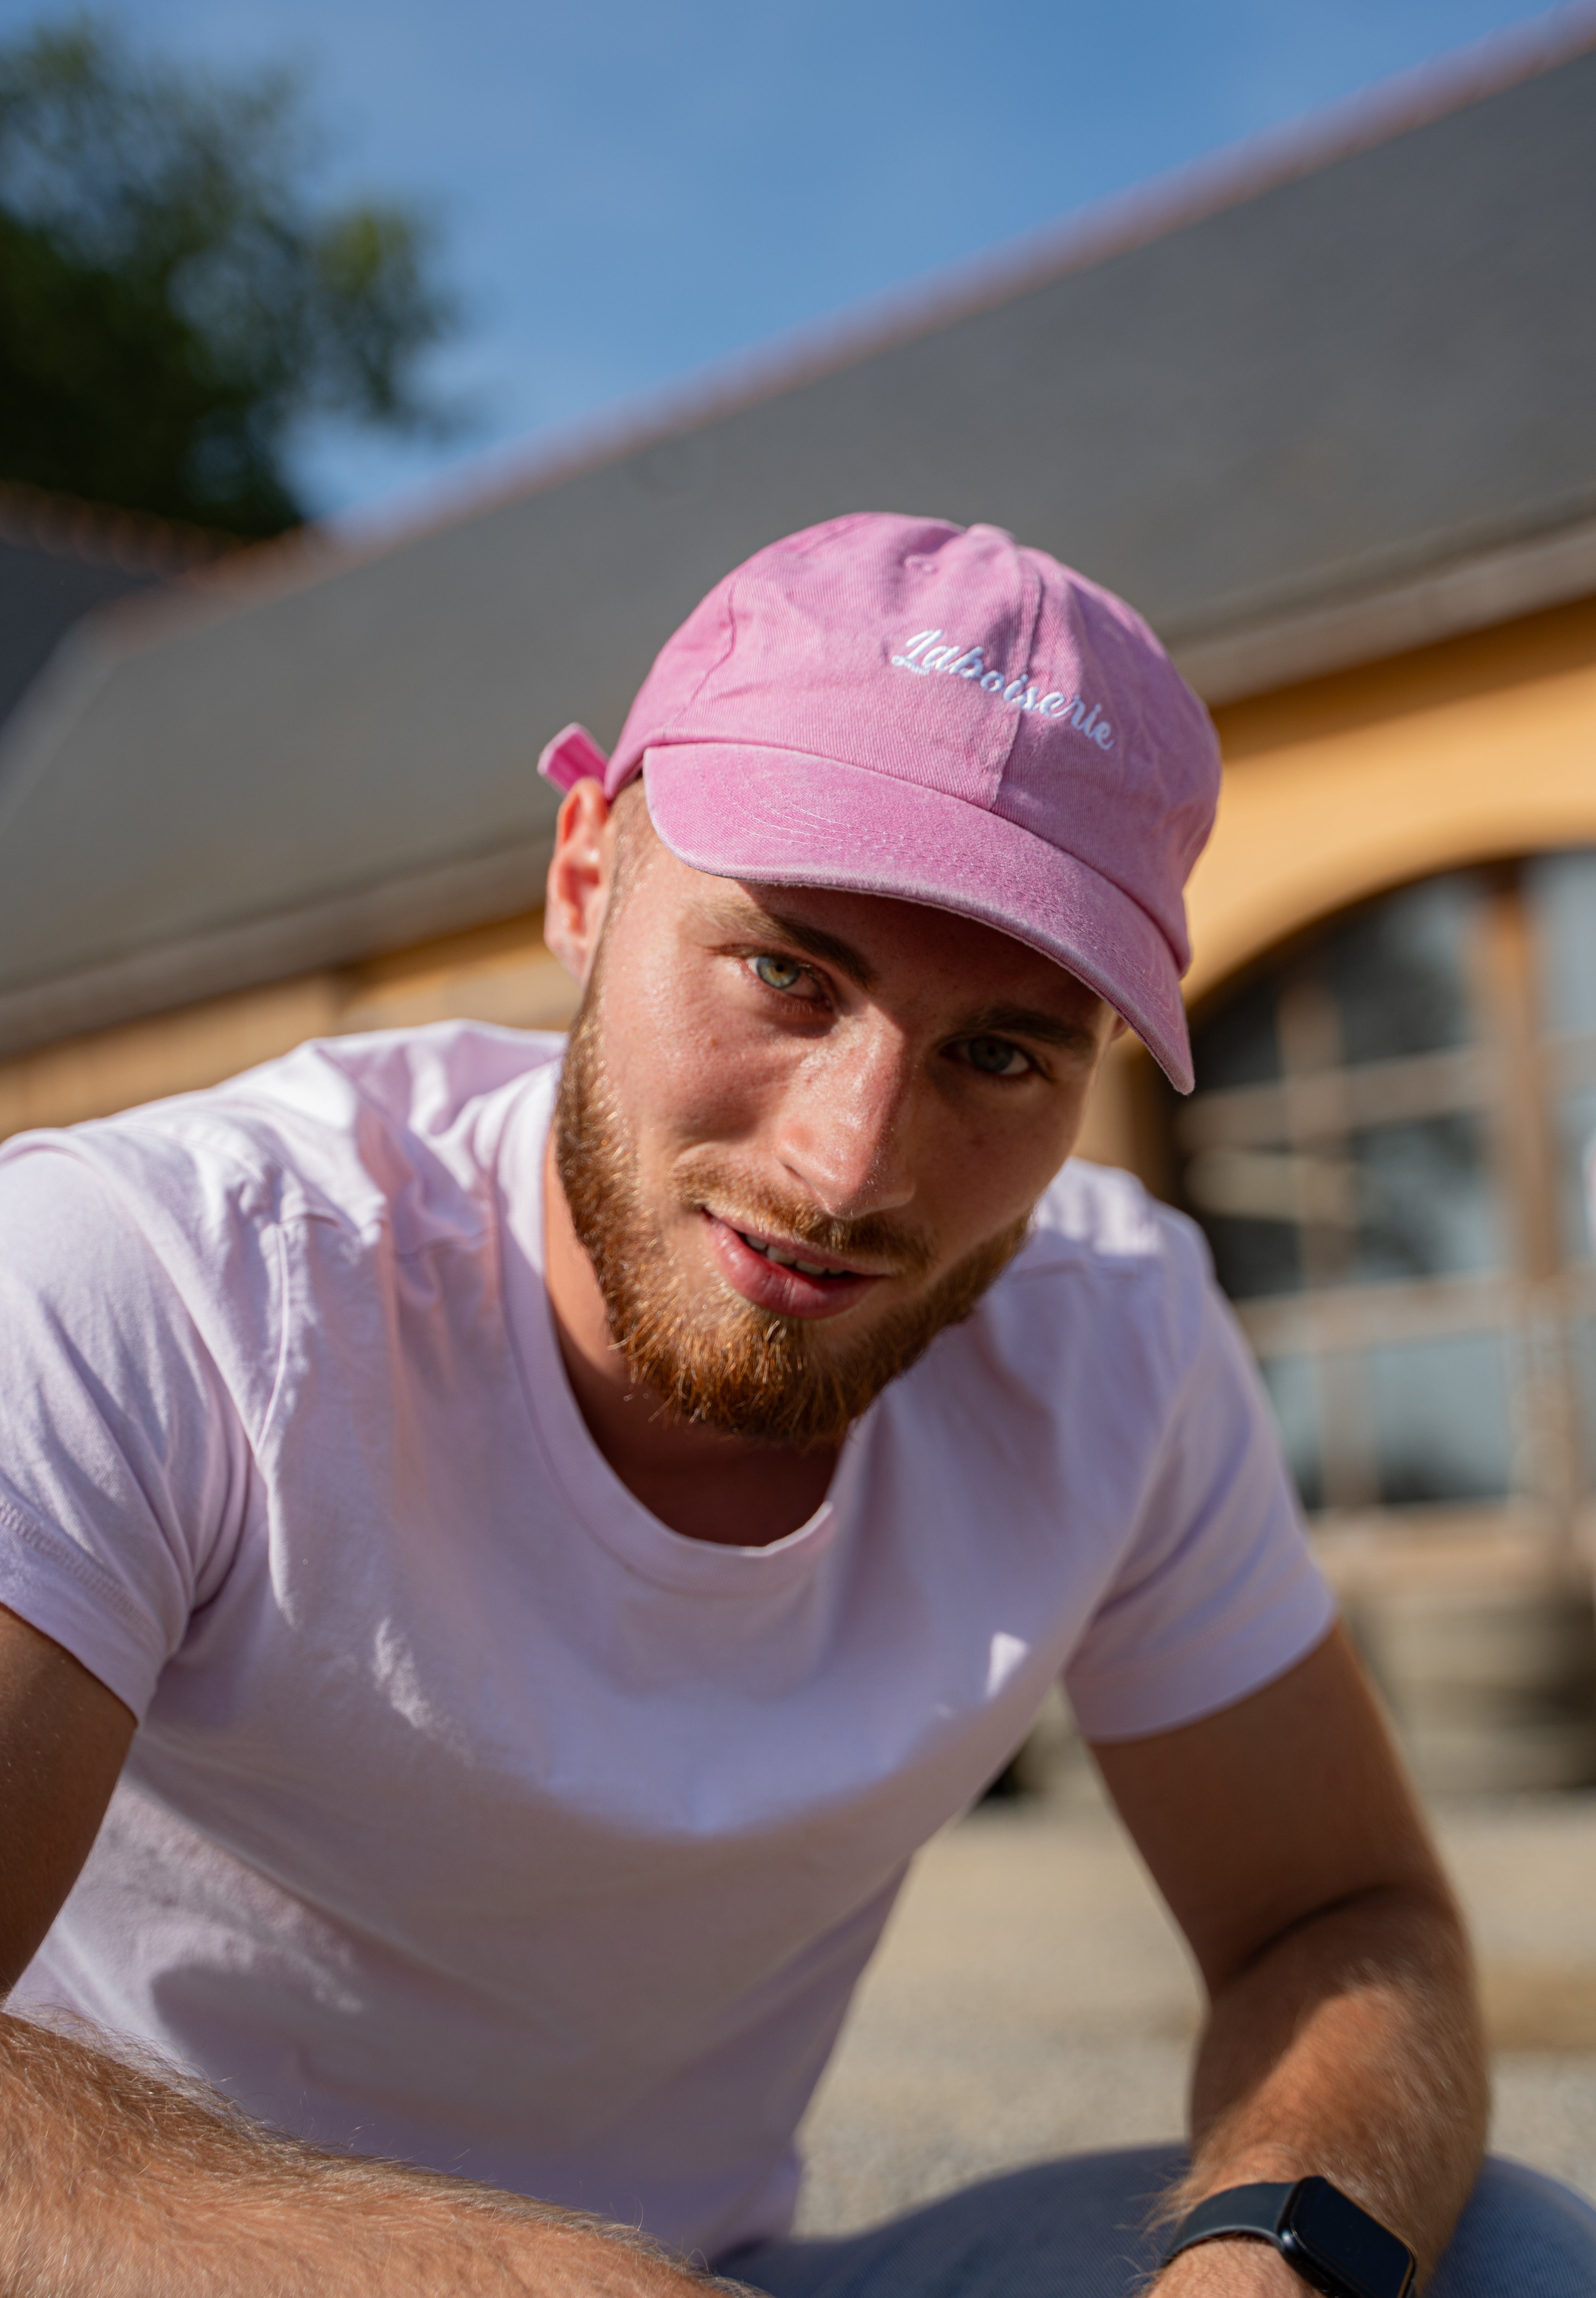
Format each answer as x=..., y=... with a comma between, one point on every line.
x=784, y=818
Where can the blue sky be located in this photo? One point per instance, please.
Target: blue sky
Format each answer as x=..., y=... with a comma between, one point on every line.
x=628, y=193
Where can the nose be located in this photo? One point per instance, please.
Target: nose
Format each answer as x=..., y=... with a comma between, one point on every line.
x=845, y=1124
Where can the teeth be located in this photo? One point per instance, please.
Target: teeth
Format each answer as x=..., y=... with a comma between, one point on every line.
x=790, y=1261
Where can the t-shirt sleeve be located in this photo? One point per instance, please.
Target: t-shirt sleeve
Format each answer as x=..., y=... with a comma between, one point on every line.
x=124, y=1466
x=1217, y=1593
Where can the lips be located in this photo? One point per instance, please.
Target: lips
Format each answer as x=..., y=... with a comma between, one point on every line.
x=771, y=1274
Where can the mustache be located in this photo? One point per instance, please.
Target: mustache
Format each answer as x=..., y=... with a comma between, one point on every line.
x=727, y=1365
x=711, y=1186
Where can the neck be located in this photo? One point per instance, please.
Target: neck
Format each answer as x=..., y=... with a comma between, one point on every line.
x=701, y=1482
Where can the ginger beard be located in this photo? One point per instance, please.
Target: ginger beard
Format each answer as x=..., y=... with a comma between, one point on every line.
x=718, y=1360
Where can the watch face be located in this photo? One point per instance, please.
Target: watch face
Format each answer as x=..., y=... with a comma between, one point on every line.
x=1333, y=2239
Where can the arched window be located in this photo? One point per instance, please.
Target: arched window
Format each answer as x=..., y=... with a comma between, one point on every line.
x=1387, y=1149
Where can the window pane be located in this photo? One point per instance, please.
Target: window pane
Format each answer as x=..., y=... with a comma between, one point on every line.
x=1576, y=1144
x=1562, y=894
x=1294, y=1392
x=1427, y=1204
x=1441, y=1419
x=1399, y=972
x=1252, y=1258
x=1239, y=1045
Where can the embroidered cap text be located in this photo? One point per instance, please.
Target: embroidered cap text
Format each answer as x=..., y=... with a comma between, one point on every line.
x=926, y=653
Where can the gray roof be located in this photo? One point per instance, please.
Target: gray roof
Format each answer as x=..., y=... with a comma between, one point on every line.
x=59, y=559
x=41, y=596
x=1311, y=408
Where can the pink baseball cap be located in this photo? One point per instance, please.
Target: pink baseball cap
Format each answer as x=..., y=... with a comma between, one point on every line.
x=904, y=706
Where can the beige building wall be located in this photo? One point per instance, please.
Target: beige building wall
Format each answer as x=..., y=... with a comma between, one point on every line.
x=1478, y=748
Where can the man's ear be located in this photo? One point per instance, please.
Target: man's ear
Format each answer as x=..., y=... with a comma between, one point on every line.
x=580, y=877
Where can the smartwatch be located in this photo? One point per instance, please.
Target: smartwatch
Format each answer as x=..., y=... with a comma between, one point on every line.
x=1318, y=2231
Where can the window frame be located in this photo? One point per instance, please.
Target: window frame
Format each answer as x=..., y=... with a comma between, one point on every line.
x=1513, y=1075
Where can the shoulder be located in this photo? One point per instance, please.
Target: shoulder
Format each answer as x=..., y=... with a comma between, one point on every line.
x=1095, y=1211
x=377, y=1131
x=1099, y=1233
x=290, y=1183
x=422, y=1082
x=1110, y=1289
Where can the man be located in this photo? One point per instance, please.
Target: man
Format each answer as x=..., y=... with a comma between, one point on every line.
x=565, y=1534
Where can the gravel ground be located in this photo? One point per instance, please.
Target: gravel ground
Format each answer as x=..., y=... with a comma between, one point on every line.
x=1032, y=1999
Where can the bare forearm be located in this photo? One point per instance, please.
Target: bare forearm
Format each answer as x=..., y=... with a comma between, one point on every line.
x=116, y=2185
x=1349, y=2048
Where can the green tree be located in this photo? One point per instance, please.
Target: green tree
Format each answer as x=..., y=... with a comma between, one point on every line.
x=172, y=304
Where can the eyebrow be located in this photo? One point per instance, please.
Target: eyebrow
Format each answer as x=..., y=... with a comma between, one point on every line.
x=1032, y=1022
x=813, y=940
x=991, y=1021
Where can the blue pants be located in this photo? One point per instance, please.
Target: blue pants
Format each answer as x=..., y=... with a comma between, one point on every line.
x=1074, y=2230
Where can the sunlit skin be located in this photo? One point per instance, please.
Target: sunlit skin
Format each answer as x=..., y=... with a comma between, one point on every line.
x=854, y=1053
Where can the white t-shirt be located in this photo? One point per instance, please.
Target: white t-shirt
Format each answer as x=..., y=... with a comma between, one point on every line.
x=475, y=1817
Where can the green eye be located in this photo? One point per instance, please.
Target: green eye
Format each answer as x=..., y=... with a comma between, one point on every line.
x=777, y=972
x=994, y=1056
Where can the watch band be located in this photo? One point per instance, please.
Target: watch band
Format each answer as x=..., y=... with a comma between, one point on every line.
x=1331, y=2243
x=1239, y=2209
